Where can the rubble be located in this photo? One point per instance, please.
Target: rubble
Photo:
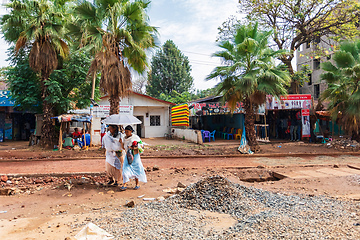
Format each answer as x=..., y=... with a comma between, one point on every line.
x=344, y=144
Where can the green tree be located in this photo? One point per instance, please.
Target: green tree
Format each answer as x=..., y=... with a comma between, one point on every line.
x=249, y=73
x=68, y=87
x=39, y=25
x=343, y=79
x=119, y=33
x=170, y=71
x=296, y=22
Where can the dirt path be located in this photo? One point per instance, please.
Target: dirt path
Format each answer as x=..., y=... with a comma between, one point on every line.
x=97, y=165
x=54, y=212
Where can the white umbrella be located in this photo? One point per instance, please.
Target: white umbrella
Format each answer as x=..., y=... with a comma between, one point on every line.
x=121, y=119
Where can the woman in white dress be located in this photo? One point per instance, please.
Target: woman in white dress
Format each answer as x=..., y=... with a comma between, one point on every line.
x=132, y=166
x=114, y=159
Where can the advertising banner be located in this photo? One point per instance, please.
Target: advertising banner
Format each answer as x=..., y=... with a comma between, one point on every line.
x=292, y=101
x=211, y=108
x=305, y=118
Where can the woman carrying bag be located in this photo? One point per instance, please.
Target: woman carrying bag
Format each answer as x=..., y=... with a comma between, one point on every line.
x=114, y=158
x=132, y=167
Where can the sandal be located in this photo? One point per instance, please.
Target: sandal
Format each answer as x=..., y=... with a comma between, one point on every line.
x=123, y=188
x=136, y=188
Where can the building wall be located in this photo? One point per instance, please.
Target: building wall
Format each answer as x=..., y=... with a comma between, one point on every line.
x=306, y=55
x=142, y=107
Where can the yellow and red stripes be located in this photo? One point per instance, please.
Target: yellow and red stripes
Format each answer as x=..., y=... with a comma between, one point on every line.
x=180, y=115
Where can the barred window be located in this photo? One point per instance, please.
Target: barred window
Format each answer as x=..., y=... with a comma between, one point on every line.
x=155, y=120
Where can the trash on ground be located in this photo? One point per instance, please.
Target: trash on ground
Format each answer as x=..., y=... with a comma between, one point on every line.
x=93, y=232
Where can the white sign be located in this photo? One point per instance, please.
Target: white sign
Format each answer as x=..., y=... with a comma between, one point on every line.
x=103, y=111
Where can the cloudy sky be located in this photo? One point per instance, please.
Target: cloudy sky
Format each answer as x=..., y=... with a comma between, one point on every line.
x=191, y=24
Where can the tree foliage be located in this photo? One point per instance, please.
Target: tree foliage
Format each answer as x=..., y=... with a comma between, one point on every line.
x=249, y=73
x=170, y=71
x=119, y=33
x=68, y=87
x=295, y=22
x=343, y=78
x=39, y=25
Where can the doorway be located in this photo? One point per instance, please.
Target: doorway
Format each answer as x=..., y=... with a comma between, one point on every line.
x=140, y=127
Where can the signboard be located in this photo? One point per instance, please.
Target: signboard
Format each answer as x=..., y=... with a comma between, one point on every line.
x=211, y=108
x=5, y=99
x=292, y=101
x=305, y=119
x=103, y=111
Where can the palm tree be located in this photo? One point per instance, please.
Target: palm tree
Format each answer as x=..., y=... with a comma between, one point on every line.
x=249, y=73
x=119, y=33
x=343, y=79
x=39, y=26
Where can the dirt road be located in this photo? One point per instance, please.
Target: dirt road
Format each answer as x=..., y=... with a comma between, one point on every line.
x=97, y=165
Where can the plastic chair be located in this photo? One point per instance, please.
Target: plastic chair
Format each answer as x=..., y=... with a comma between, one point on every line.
x=212, y=135
x=231, y=133
x=206, y=134
x=223, y=134
x=238, y=134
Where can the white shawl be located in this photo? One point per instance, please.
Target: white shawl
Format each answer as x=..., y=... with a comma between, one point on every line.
x=111, y=145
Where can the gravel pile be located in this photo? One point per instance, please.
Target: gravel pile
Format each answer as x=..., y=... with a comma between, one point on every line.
x=259, y=214
x=344, y=144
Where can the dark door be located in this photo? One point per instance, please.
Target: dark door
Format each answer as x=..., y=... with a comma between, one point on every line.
x=139, y=127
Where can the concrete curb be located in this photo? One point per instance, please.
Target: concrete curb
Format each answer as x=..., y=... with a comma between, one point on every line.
x=197, y=156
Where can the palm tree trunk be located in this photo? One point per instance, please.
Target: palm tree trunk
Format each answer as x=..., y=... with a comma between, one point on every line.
x=250, y=126
x=47, y=129
x=114, y=105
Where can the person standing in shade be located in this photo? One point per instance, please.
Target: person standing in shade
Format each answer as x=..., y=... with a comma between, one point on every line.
x=132, y=167
x=114, y=158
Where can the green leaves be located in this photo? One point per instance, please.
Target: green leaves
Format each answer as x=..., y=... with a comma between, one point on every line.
x=344, y=84
x=344, y=59
x=170, y=72
x=250, y=66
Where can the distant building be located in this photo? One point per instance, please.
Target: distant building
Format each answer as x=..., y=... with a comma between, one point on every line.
x=153, y=113
x=309, y=54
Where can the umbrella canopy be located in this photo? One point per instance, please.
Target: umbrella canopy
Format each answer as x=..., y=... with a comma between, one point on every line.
x=121, y=119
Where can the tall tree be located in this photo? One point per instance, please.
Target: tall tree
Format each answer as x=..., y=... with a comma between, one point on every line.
x=295, y=22
x=119, y=33
x=249, y=73
x=39, y=25
x=343, y=78
x=170, y=71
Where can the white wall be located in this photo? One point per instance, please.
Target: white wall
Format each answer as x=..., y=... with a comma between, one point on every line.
x=189, y=134
x=142, y=105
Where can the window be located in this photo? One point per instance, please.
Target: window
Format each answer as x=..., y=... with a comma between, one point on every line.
x=317, y=40
x=316, y=64
x=310, y=79
x=307, y=44
x=155, y=120
x=316, y=91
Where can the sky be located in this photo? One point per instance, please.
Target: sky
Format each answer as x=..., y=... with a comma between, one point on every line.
x=191, y=24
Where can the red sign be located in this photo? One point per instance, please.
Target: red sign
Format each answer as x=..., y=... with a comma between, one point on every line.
x=296, y=97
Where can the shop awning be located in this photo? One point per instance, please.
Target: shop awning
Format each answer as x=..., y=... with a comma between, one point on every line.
x=73, y=118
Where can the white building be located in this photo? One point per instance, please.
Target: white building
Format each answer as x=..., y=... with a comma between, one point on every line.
x=153, y=113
